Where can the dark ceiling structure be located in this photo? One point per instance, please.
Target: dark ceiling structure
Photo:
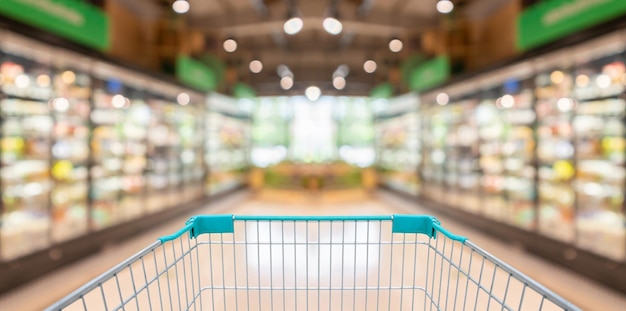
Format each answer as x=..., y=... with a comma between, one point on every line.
x=313, y=54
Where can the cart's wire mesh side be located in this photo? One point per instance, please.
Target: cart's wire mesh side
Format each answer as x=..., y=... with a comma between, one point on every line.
x=162, y=277
x=313, y=265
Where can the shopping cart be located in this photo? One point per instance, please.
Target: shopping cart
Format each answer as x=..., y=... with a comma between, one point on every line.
x=399, y=262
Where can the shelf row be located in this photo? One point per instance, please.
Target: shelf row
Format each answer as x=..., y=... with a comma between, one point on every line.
x=83, y=149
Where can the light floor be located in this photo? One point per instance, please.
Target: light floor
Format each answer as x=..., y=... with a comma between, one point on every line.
x=362, y=277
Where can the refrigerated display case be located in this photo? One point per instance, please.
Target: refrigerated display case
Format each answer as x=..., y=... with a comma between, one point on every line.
x=599, y=131
x=399, y=154
x=26, y=87
x=227, y=134
x=434, y=132
x=399, y=149
x=191, y=157
x=164, y=170
x=120, y=118
x=555, y=153
x=70, y=109
x=227, y=153
x=517, y=151
x=460, y=147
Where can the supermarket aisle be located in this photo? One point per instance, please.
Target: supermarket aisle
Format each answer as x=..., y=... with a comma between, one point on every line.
x=577, y=289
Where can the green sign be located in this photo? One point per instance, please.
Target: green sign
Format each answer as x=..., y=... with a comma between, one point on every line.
x=430, y=74
x=384, y=90
x=73, y=19
x=409, y=64
x=195, y=74
x=554, y=19
x=242, y=90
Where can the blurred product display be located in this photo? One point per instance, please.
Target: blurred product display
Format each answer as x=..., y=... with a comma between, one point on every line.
x=87, y=145
x=538, y=145
x=398, y=144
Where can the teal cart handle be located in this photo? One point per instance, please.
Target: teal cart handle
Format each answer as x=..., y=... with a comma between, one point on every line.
x=418, y=224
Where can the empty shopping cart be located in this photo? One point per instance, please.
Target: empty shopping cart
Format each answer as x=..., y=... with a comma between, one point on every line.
x=398, y=262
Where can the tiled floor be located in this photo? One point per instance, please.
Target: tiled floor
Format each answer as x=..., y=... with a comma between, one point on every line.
x=586, y=294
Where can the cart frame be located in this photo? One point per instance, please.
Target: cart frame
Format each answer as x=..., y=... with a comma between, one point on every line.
x=427, y=227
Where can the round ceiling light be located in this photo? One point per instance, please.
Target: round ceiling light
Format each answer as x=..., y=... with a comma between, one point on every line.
x=230, y=45
x=313, y=93
x=395, y=45
x=180, y=6
x=369, y=66
x=293, y=25
x=256, y=66
x=286, y=83
x=445, y=6
x=332, y=25
x=339, y=83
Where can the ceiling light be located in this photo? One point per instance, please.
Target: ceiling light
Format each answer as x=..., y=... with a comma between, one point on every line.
x=180, y=6
x=395, y=45
x=313, y=93
x=256, y=66
x=286, y=83
x=369, y=66
x=442, y=99
x=445, y=6
x=230, y=45
x=332, y=26
x=183, y=99
x=293, y=25
x=339, y=83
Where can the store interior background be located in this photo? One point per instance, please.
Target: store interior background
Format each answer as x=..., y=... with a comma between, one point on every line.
x=525, y=140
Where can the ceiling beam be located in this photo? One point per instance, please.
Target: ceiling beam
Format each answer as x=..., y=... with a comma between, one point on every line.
x=248, y=22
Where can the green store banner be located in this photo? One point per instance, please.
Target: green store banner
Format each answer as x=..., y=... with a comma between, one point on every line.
x=74, y=20
x=383, y=90
x=430, y=74
x=550, y=20
x=195, y=74
x=242, y=90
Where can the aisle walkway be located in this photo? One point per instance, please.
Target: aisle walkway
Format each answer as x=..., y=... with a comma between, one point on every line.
x=37, y=295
